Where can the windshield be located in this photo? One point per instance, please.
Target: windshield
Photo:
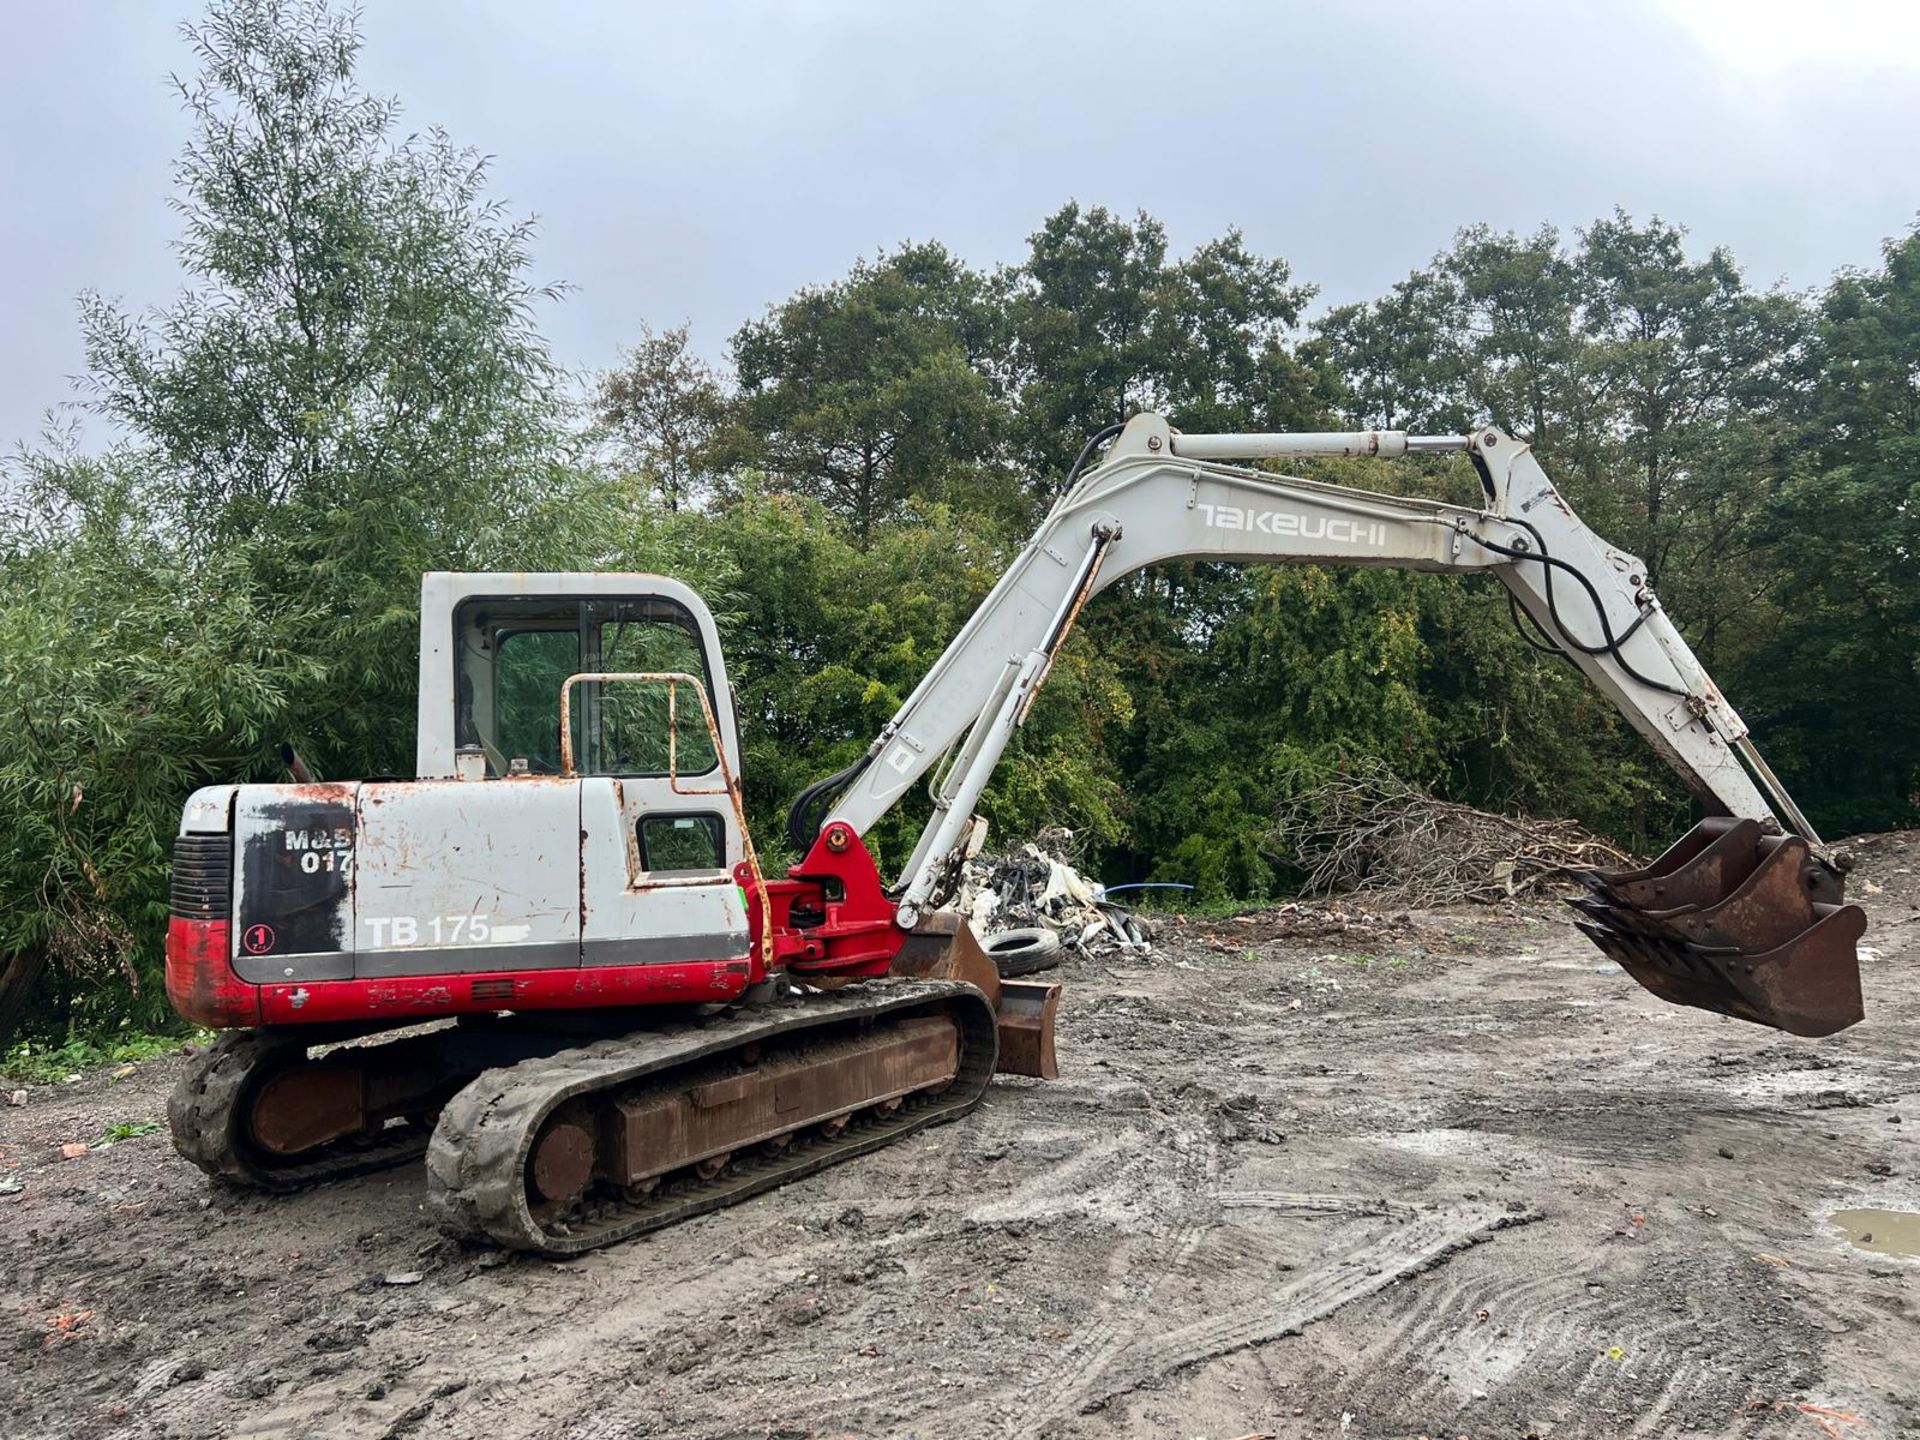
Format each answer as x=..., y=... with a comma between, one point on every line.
x=515, y=654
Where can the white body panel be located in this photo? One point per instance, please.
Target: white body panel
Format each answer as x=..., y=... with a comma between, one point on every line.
x=446, y=869
x=439, y=876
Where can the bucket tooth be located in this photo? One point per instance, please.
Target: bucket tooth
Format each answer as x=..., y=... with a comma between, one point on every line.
x=1737, y=922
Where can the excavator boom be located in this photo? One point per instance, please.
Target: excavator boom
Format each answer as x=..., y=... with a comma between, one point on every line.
x=1161, y=496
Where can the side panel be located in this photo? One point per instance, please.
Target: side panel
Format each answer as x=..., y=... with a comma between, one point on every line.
x=293, y=906
x=455, y=878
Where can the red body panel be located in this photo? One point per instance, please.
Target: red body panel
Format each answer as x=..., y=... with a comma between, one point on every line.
x=200, y=979
x=203, y=988
x=830, y=917
x=426, y=996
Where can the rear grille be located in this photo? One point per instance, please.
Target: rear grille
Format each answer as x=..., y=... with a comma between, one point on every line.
x=492, y=990
x=202, y=877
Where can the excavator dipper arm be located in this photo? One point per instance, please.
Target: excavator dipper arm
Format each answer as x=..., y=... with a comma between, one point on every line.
x=1164, y=496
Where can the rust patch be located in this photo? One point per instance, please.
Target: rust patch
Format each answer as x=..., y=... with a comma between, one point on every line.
x=650, y=1135
x=1732, y=921
x=307, y=1107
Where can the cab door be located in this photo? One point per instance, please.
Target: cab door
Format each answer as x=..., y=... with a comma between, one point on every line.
x=654, y=833
x=659, y=831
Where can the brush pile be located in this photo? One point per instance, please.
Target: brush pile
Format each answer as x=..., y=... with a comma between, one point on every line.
x=1369, y=832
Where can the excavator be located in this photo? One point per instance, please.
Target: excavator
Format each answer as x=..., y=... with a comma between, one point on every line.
x=554, y=963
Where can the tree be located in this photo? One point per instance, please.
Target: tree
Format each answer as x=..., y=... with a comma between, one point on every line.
x=353, y=390
x=1520, y=299
x=1837, y=681
x=350, y=393
x=1401, y=356
x=131, y=675
x=1103, y=326
x=1678, y=349
x=829, y=639
x=663, y=404
x=871, y=390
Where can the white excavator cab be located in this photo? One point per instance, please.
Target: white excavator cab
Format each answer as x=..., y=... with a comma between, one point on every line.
x=497, y=650
x=525, y=852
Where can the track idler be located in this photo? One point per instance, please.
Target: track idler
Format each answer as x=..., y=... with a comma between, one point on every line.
x=1734, y=920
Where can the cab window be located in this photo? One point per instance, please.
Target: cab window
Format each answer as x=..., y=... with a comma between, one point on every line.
x=682, y=842
x=515, y=654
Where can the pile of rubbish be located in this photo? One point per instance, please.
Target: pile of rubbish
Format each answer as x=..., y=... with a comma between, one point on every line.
x=1039, y=887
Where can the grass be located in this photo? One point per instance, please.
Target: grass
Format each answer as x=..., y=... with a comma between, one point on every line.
x=1186, y=904
x=125, y=1130
x=40, y=1062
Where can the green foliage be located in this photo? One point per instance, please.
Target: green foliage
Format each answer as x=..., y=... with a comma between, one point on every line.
x=1103, y=325
x=828, y=640
x=132, y=675
x=663, y=407
x=1842, y=532
x=125, y=1130
x=39, y=1062
x=867, y=392
x=350, y=393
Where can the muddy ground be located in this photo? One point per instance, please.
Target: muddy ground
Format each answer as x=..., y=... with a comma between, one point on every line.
x=1446, y=1174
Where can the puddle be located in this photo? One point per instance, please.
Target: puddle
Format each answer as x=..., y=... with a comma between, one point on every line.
x=1885, y=1232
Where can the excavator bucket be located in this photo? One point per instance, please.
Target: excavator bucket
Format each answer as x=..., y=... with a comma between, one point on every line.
x=943, y=947
x=1737, y=921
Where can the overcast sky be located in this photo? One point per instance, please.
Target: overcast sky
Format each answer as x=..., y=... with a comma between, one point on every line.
x=696, y=161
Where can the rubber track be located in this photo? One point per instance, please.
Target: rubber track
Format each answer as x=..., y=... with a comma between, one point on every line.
x=476, y=1162
x=203, y=1115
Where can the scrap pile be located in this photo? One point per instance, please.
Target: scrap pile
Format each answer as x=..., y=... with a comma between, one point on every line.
x=1368, y=831
x=1039, y=886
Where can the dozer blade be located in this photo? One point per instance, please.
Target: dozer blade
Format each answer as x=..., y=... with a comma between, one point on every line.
x=943, y=947
x=1734, y=921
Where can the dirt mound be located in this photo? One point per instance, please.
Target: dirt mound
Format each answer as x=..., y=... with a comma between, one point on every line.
x=1315, y=1170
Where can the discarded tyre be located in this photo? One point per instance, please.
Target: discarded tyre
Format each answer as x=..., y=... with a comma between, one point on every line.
x=1022, y=952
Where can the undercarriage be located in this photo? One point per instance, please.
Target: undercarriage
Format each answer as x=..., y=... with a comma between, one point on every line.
x=560, y=1135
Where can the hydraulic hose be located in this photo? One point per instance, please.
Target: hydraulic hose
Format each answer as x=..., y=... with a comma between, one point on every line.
x=810, y=805
x=1611, y=643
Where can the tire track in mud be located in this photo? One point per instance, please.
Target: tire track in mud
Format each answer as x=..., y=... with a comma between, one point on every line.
x=558, y=1375
x=1386, y=1254
x=1430, y=1315
x=1560, y=1338
x=1130, y=1290
x=1301, y=1202
x=1102, y=1182
x=1106, y=1340
x=905, y=1223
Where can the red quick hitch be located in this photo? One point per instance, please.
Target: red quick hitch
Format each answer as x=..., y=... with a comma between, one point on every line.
x=830, y=914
